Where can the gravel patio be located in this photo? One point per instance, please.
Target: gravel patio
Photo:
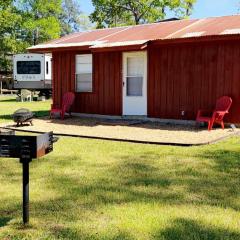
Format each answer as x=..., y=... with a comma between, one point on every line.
x=127, y=130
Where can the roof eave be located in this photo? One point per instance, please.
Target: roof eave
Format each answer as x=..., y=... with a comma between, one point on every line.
x=196, y=39
x=136, y=47
x=59, y=49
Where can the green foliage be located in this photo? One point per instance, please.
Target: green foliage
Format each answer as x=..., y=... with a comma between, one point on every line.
x=109, y=13
x=72, y=19
x=10, y=24
x=69, y=17
x=40, y=19
x=85, y=22
x=29, y=22
x=24, y=23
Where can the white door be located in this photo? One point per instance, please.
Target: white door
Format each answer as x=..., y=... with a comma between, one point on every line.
x=135, y=83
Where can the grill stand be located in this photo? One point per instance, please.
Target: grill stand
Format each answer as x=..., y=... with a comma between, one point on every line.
x=25, y=180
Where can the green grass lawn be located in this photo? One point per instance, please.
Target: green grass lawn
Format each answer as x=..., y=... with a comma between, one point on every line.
x=90, y=189
x=8, y=105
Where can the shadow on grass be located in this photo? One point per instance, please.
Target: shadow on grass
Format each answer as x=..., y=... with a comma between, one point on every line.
x=225, y=160
x=137, y=179
x=8, y=100
x=61, y=232
x=41, y=113
x=183, y=229
x=4, y=221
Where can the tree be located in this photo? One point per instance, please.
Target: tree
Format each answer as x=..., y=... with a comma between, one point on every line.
x=40, y=19
x=72, y=19
x=85, y=23
x=184, y=8
x=24, y=23
x=10, y=41
x=69, y=17
x=109, y=13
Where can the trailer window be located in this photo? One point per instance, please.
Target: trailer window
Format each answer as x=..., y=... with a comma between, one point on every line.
x=84, y=73
x=28, y=67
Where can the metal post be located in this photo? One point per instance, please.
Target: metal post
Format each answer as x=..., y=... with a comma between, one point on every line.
x=1, y=86
x=25, y=174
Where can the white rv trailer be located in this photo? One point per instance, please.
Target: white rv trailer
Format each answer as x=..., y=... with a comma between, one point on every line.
x=32, y=71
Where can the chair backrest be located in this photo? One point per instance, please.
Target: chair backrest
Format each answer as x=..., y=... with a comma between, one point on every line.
x=25, y=93
x=223, y=104
x=68, y=99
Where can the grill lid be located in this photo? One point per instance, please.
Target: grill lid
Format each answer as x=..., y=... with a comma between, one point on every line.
x=22, y=114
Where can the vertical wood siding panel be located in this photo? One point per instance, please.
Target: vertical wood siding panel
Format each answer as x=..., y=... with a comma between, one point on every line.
x=107, y=74
x=150, y=84
x=95, y=81
x=101, y=82
x=156, y=85
x=163, y=82
x=56, y=80
x=177, y=85
x=114, y=92
x=60, y=78
x=119, y=85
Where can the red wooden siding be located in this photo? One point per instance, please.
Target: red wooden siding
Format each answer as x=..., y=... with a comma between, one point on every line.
x=107, y=84
x=186, y=77
x=181, y=77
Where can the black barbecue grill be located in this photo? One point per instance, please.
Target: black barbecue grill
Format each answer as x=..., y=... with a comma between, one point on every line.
x=25, y=148
x=22, y=115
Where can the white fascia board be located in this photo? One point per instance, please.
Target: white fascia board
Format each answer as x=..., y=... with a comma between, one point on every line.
x=119, y=44
x=231, y=31
x=63, y=45
x=193, y=34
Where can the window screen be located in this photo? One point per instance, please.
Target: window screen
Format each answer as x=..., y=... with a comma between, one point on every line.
x=135, y=71
x=28, y=67
x=134, y=86
x=84, y=73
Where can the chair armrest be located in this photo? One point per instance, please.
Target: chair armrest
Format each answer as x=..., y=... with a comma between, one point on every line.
x=220, y=113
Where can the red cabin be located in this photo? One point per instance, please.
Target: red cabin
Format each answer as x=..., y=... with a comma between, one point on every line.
x=164, y=70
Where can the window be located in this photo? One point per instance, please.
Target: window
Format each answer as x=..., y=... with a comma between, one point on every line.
x=135, y=70
x=28, y=67
x=84, y=73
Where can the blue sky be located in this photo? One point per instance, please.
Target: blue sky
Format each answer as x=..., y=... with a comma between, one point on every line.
x=203, y=8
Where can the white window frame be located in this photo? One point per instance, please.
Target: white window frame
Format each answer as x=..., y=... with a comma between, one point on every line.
x=83, y=72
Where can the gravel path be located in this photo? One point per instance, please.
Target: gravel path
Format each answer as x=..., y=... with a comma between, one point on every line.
x=152, y=132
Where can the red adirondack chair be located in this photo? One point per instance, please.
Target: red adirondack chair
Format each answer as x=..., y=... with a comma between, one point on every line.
x=222, y=107
x=67, y=101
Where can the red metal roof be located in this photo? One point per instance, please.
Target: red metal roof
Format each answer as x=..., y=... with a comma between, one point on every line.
x=138, y=35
